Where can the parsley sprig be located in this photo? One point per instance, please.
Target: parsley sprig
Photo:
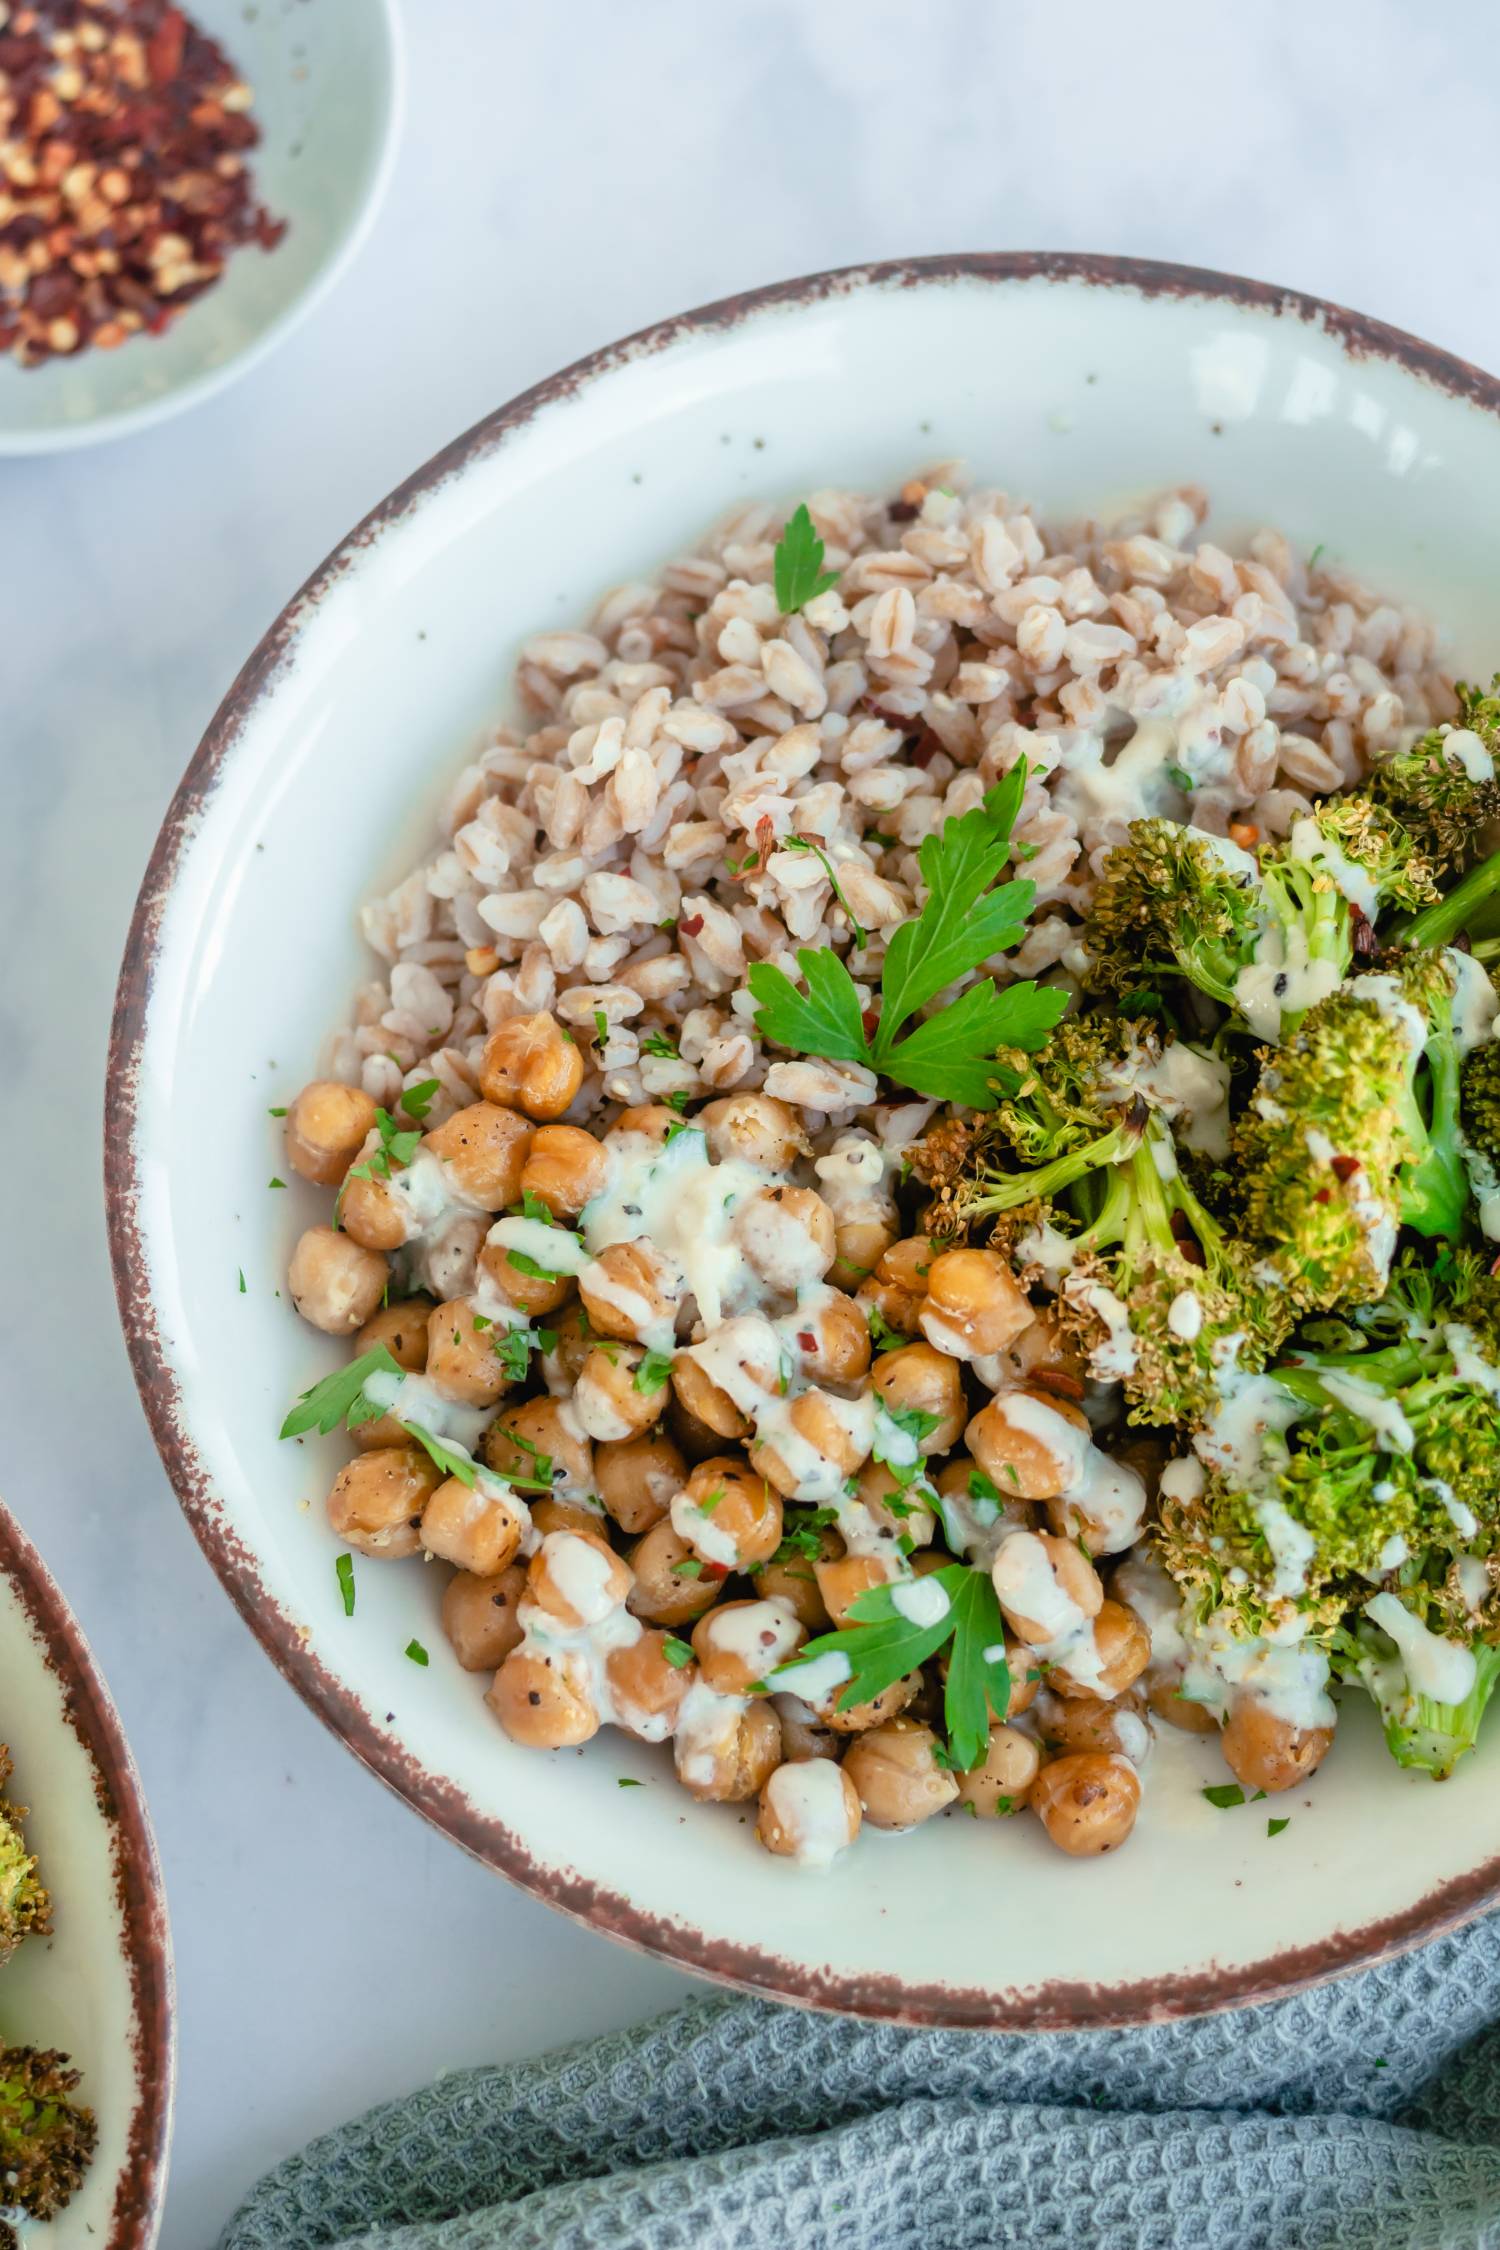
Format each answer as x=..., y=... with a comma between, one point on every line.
x=340, y=1397
x=799, y=573
x=967, y=917
x=882, y=1646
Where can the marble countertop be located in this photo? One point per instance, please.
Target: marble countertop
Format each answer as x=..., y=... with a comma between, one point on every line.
x=602, y=166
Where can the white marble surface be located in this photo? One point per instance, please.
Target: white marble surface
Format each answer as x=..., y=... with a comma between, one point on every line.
x=569, y=173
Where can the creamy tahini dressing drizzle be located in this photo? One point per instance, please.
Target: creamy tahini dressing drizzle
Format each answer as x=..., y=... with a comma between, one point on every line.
x=1443, y=1671
x=1057, y=1627
x=810, y=1803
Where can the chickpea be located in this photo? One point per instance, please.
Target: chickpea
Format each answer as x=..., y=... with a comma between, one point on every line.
x=577, y=1579
x=993, y=1511
x=787, y=1235
x=893, y=1511
x=631, y=1291
x=822, y=1422
x=1002, y=1783
x=897, y=1289
x=638, y=1477
x=479, y=1616
x=755, y=1129
x=917, y=1376
x=568, y=1515
x=709, y=1406
x=672, y=1584
x=377, y=1500
x=844, y=1578
x=540, y=1440
x=401, y=1327
x=530, y=1293
x=803, y=1733
x=334, y=1283
x=861, y=1239
x=565, y=1168
x=1027, y=1445
x=833, y=1340
x=794, y=1580
x=880, y=1709
x=896, y=1774
x=653, y=1119
x=1167, y=1701
x=1042, y=1351
x=974, y=1304
x=739, y=1644
x=728, y=1514
x=369, y=1210
x=1082, y=1722
x=1264, y=1751
x=484, y=1148
x=478, y=1530
x=572, y=1341
x=646, y=1687
x=608, y=1400
x=1087, y=1802
x=734, y=1758
x=1049, y=1573
x=808, y=1815
x=1122, y=1649
x=462, y=1363
x=531, y=1064
x=543, y=1702
x=325, y=1129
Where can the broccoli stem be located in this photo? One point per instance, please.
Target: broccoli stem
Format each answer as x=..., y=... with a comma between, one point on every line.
x=1434, y=1736
x=1007, y=1190
x=1440, y=924
x=1435, y=1191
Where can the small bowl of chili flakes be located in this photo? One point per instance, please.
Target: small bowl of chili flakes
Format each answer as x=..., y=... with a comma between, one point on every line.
x=178, y=186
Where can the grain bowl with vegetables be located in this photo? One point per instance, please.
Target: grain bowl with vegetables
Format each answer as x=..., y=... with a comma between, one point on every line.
x=914, y=1199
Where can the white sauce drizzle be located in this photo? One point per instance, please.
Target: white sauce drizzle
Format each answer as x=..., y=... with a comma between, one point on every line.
x=1442, y=1671
x=810, y=1803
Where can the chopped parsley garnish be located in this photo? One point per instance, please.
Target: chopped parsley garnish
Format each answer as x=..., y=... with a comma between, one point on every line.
x=652, y=1373
x=913, y=1422
x=692, y=1568
x=1274, y=1827
x=452, y=1464
x=278, y=1183
x=798, y=569
x=883, y=1336
x=601, y=1027
x=512, y=1347
x=416, y=1652
x=677, y=1101
x=528, y=1265
x=1143, y=1002
x=805, y=844
x=982, y=1487
x=344, y=1571
x=396, y=1147
x=882, y=1646
x=657, y=1043
x=1312, y=560
x=677, y=1653
x=710, y=1500
x=1181, y=779
x=799, y=1538
x=1225, y=1794
x=681, y=1126
x=278, y=1112
x=628, y=1781
x=340, y=1397
x=242, y=1281
x=417, y=1100
x=966, y=919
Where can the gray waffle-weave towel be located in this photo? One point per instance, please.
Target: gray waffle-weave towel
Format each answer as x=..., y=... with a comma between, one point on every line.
x=1365, y=2116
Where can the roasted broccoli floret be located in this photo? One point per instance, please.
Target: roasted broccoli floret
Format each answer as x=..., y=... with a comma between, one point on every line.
x=46, y=2138
x=1353, y=1132
x=1432, y=1676
x=1443, y=789
x=1266, y=939
x=24, y=1904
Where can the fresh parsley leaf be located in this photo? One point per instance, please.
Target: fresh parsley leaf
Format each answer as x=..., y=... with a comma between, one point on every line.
x=278, y=1112
x=677, y=1100
x=799, y=1535
x=278, y=1183
x=1274, y=1827
x=628, y=1781
x=963, y=921
x=340, y=1398
x=978, y=1683
x=416, y=1652
x=396, y=1147
x=682, y=1126
x=417, y=1100
x=1225, y=1794
x=677, y=1653
x=825, y=1020
x=657, y=1043
x=601, y=1027
x=528, y=1265
x=512, y=1347
x=798, y=571
x=344, y=1571
x=882, y=1335
x=242, y=1281
x=982, y=1487
x=691, y=1568
x=652, y=1373
x=453, y=1464
x=952, y=1055
x=531, y=1206
x=805, y=844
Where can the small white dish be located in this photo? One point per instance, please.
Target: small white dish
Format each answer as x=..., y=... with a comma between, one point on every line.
x=1078, y=383
x=328, y=86
x=100, y=1986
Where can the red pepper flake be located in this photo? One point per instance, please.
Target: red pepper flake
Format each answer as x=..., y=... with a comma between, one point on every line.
x=714, y=1570
x=869, y=1022
x=806, y=1340
x=1362, y=935
x=123, y=184
x=1324, y=1195
x=690, y=924
x=1344, y=1167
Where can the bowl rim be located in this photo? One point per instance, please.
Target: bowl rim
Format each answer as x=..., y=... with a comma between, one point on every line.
x=1059, y=2005
x=99, y=429
x=140, y=1894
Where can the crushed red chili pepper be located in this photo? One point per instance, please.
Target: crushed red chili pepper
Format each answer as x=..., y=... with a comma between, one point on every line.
x=124, y=184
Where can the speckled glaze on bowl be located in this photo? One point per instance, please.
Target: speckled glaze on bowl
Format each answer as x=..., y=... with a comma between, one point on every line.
x=100, y=1987
x=328, y=83
x=1077, y=382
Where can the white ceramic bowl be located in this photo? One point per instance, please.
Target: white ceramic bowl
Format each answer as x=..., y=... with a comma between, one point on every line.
x=100, y=1987
x=328, y=90
x=1076, y=382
